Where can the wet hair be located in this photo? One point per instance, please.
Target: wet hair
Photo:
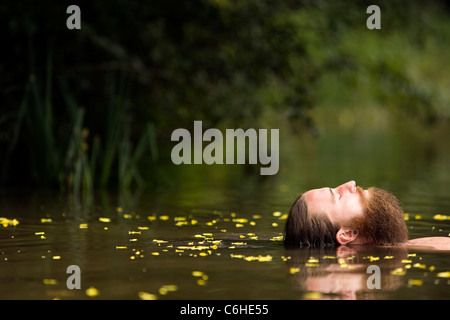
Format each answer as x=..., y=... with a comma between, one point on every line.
x=382, y=222
x=303, y=229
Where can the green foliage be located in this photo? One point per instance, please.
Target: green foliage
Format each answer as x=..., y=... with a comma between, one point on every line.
x=85, y=108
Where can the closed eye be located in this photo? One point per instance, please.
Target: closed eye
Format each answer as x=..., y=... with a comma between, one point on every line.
x=334, y=195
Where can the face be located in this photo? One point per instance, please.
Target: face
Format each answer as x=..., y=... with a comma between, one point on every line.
x=341, y=204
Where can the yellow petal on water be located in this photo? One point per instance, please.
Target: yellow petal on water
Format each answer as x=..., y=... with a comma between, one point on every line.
x=265, y=258
x=83, y=225
x=256, y=216
x=8, y=222
x=417, y=217
x=56, y=257
x=46, y=220
x=164, y=218
x=147, y=296
x=440, y=217
x=293, y=270
x=92, y=292
x=49, y=281
x=415, y=282
x=406, y=261
x=432, y=268
x=312, y=295
x=445, y=274
x=276, y=214
x=406, y=216
x=119, y=209
x=102, y=219
x=277, y=238
x=167, y=288
x=419, y=265
x=309, y=264
x=274, y=224
x=398, y=272
x=313, y=260
x=197, y=273
x=201, y=282
x=121, y=247
x=412, y=254
x=372, y=258
x=388, y=257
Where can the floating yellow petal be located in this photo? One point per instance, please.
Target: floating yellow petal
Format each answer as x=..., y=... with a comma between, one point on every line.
x=106, y=220
x=147, y=296
x=293, y=270
x=406, y=261
x=312, y=295
x=197, y=273
x=49, y=281
x=8, y=222
x=445, y=274
x=167, y=288
x=415, y=282
x=277, y=238
x=398, y=272
x=92, y=292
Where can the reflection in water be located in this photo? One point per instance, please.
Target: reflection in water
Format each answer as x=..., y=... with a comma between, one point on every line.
x=215, y=234
x=344, y=273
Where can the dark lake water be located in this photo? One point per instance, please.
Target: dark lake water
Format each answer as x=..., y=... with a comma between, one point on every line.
x=215, y=232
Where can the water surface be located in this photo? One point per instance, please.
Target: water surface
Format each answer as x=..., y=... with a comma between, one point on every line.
x=215, y=234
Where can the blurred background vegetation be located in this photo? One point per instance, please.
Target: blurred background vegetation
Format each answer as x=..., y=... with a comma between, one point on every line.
x=94, y=108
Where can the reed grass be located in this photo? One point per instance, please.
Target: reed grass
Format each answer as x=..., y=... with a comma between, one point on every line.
x=64, y=155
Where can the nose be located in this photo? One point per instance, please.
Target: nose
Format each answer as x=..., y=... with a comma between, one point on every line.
x=348, y=186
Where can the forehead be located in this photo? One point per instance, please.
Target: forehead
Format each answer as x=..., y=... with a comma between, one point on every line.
x=317, y=194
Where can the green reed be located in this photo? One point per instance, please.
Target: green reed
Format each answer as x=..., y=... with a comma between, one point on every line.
x=62, y=152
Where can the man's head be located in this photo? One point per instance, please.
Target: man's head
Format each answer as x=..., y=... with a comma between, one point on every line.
x=345, y=214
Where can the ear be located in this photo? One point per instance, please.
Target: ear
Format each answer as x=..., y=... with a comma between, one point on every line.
x=346, y=235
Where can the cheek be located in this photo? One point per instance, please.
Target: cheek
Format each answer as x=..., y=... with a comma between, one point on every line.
x=354, y=209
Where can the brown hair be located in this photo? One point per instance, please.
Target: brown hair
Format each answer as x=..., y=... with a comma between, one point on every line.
x=382, y=222
x=303, y=229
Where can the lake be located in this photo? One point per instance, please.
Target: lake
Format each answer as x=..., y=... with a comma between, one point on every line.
x=210, y=232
